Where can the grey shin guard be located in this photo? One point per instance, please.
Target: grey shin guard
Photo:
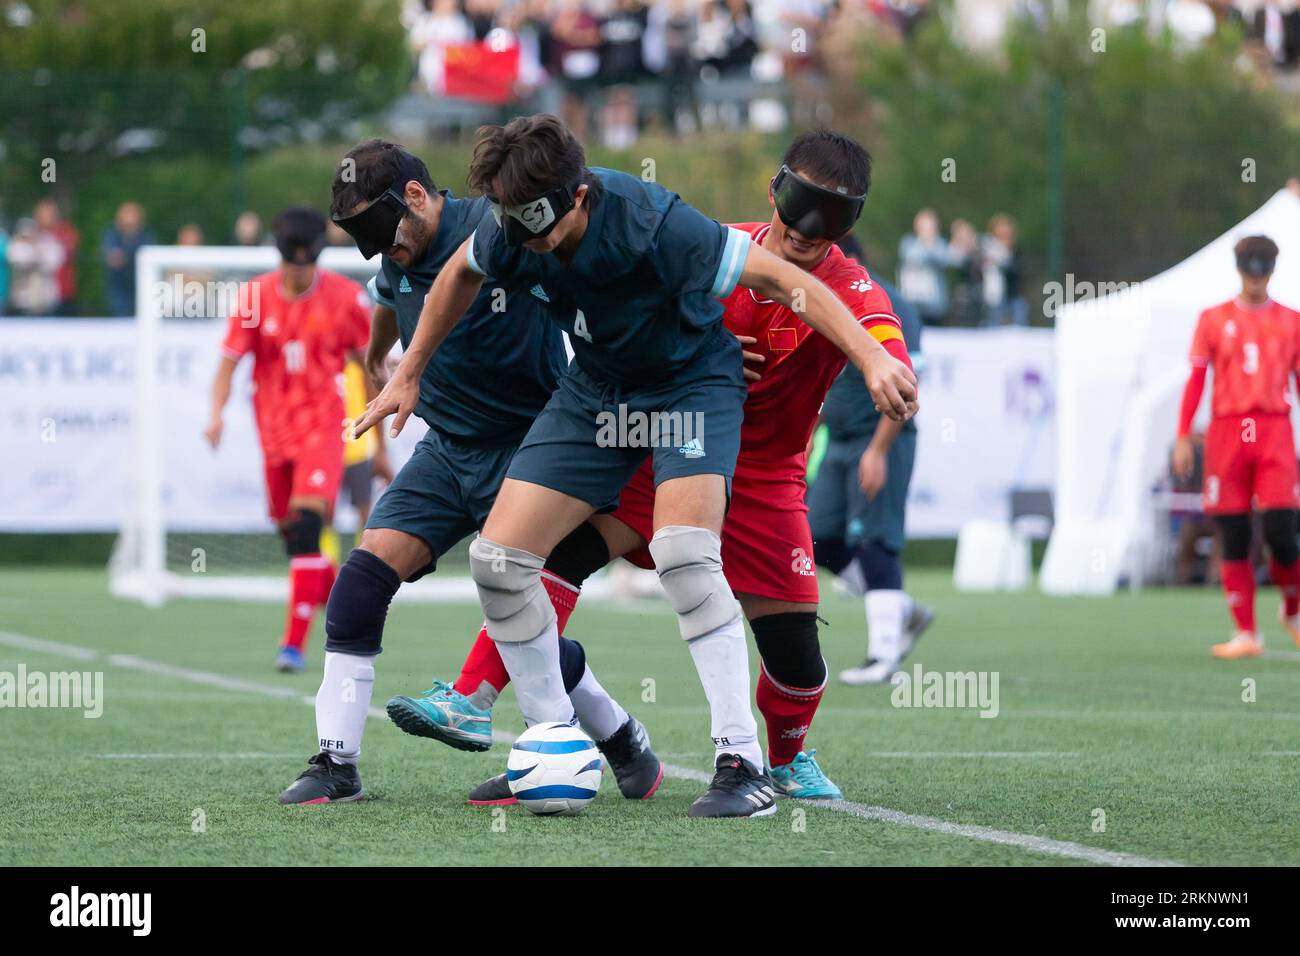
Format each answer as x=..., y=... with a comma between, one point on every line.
x=689, y=562
x=510, y=589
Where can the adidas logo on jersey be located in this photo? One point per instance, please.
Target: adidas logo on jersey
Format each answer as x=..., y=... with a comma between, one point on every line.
x=692, y=449
x=538, y=291
x=404, y=285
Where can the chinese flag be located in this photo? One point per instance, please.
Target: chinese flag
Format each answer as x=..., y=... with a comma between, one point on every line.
x=481, y=71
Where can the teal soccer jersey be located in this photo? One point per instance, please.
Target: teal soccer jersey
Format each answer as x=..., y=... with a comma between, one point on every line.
x=640, y=297
x=496, y=370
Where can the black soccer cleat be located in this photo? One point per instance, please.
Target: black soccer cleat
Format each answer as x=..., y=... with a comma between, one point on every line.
x=737, y=790
x=493, y=792
x=325, y=780
x=636, y=768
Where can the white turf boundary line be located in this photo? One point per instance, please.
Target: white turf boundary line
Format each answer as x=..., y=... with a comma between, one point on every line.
x=1024, y=841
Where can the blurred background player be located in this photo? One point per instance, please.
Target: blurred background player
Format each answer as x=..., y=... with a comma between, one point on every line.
x=767, y=546
x=307, y=322
x=479, y=396
x=858, y=504
x=1253, y=345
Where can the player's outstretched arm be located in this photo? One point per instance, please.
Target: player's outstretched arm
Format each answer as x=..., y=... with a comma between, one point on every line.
x=451, y=296
x=891, y=383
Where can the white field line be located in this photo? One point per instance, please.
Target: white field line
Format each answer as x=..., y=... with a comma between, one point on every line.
x=197, y=756
x=1024, y=841
x=972, y=754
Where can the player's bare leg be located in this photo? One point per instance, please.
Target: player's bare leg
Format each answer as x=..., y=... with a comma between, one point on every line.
x=526, y=522
x=311, y=575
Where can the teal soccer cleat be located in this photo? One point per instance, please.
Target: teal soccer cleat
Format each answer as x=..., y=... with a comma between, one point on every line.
x=803, y=779
x=445, y=714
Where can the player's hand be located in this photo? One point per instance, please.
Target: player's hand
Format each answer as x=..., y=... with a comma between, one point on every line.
x=213, y=432
x=751, y=374
x=1184, y=458
x=892, y=385
x=397, y=398
x=873, y=470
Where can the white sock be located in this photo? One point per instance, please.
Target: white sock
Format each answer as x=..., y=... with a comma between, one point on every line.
x=885, y=619
x=342, y=702
x=854, y=580
x=598, y=714
x=534, y=669
x=722, y=660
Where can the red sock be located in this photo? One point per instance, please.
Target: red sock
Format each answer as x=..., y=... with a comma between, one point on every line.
x=310, y=578
x=1239, y=589
x=484, y=661
x=563, y=595
x=1287, y=578
x=788, y=713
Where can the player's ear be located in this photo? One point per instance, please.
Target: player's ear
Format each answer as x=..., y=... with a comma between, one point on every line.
x=771, y=199
x=416, y=195
x=580, y=196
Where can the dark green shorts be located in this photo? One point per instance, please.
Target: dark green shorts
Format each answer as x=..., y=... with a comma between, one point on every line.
x=442, y=494
x=590, y=438
x=837, y=508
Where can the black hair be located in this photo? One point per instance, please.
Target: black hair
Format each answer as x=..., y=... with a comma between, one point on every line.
x=831, y=158
x=530, y=156
x=298, y=227
x=368, y=169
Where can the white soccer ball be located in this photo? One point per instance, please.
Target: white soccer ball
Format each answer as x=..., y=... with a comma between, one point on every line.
x=554, y=769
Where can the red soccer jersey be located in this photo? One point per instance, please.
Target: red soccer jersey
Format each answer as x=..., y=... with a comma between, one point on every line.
x=800, y=365
x=1253, y=351
x=299, y=348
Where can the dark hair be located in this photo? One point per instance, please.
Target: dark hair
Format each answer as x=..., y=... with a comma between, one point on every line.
x=298, y=226
x=831, y=158
x=368, y=169
x=1256, y=246
x=530, y=156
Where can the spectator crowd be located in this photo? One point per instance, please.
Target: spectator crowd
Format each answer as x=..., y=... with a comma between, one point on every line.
x=570, y=56
x=1271, y=27
x=38, y=268
x=968, y=278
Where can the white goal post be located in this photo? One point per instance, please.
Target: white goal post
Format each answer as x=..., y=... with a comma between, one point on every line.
x=196, y=522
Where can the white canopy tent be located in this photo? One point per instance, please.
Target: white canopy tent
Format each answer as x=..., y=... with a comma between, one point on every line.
x=1121, y=365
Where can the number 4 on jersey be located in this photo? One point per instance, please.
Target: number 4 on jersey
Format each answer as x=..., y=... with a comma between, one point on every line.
x=580, y=326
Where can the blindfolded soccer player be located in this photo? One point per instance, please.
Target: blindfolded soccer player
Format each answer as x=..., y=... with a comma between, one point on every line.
x=1253, y=345
x=307, y=323
x=646, y=271
x=479, y=396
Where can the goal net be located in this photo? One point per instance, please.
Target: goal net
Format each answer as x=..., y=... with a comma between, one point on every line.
x=196, y=524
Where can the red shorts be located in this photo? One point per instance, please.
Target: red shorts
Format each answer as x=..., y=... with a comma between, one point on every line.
x=767, y=547
x=1250, y=456
x=315, y=471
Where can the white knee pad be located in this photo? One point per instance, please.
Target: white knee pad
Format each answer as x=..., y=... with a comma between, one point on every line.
x=689, y=562
x=510, y=589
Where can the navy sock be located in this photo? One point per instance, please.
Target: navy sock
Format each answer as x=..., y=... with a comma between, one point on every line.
x=358, y=604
